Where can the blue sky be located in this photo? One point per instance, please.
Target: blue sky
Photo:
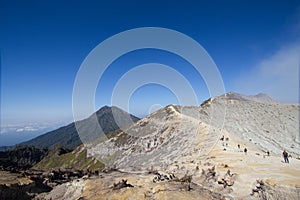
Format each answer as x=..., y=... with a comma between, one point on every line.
x=255, y=45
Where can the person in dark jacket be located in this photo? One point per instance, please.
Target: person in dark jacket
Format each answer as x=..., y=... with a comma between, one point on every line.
x=285, y=156
x=245, y=150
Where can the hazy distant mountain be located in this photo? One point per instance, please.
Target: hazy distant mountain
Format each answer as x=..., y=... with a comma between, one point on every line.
x=67, y=136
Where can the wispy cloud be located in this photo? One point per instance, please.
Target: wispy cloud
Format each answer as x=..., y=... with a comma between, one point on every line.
x=29, y=128
x=14, y=128
x=277, y=75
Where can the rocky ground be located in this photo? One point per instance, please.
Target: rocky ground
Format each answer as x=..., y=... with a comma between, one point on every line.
x=13, y=186
x=27, y=184
x=212, y=178
x=226, y=173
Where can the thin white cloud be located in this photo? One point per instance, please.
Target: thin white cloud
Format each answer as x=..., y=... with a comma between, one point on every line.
x=10, y=128
x=28, y=128
x=277, y=75
x=20, y=130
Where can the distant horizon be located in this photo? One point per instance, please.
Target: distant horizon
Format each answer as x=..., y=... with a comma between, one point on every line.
x=70, y=119
x=20, y=133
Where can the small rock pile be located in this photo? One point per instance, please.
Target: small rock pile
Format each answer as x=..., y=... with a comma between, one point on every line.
x=259, y=189
x=227, y=180
x=161, y=177
x=121, y=184
x=210, y=174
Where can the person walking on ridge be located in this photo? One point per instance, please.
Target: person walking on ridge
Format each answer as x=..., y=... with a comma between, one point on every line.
x=245, y=151
x=285, y=156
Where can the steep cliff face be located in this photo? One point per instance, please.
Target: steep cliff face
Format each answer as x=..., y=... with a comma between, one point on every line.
x=269, y=125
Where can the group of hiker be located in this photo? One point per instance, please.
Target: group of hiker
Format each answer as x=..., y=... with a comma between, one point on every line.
x=284, y=154
x=245, y=149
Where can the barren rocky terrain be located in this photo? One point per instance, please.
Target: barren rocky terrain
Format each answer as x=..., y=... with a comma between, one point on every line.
x=204, y=143
x=188, y=152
